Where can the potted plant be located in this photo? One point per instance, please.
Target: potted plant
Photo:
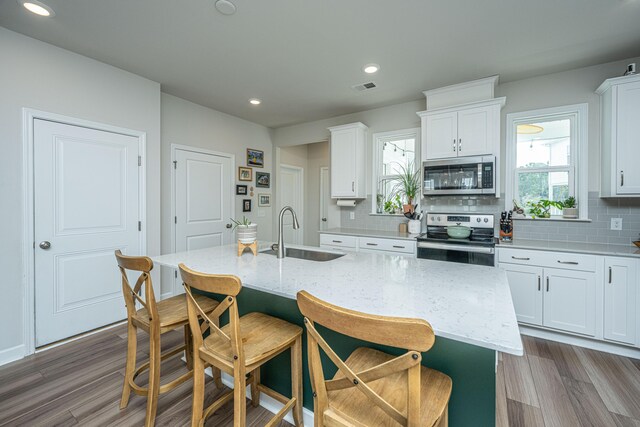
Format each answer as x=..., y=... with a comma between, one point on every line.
x=541, y=208
x=246, y=232
x=407, y=185
x=379, y=203
x=569, y=209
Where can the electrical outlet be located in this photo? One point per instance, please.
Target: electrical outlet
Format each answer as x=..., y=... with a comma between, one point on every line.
x=352, y=215
x=616, y=223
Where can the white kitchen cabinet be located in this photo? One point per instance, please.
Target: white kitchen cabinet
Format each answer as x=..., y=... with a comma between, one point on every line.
x=525, y=283
x=348, y=160
x=620, y=144
x=620, y=299
x=465, y=130
x=570, y=301
x=388, y=246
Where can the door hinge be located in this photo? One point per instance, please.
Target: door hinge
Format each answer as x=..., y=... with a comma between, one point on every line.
x=139, y=160
x=175, y=219
x=139, y=225
x=175, y=164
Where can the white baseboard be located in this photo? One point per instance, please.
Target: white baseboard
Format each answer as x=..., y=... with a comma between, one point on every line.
x=12, y=354
x=607, y=347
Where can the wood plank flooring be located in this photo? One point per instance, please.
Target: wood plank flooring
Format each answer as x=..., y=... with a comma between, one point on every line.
x=80, y=383
x=557, y=384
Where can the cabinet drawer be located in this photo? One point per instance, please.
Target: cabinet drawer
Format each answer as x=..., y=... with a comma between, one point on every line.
x=565, y=260
x=390, y=245
x=338, y=240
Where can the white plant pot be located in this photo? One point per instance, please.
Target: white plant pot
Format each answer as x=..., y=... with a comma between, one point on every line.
x=247, y=233
x=570, y=213
x=415, y=226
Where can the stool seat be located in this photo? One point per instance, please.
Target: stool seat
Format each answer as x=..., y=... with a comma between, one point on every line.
x=435, y=390
x=172, y=312
x=262, y=337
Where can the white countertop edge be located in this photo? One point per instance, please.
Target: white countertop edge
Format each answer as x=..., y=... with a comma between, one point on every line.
x=591, y=248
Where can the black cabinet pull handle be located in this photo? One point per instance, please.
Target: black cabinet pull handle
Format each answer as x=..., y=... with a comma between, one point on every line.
x=547, y=283
x=610, y=274
x=521, y=258
x=567, y=262
x=539, y=280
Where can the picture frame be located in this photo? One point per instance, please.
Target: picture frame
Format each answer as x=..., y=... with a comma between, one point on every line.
x=264, y=200
x=246, y=205
x=255, y=158
x=241, y=190
x=263, y=179
x=245, y=174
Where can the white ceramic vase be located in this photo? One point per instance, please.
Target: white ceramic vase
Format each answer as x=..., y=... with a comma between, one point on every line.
x=570, y=213
x=415, y=226
x=247, y=233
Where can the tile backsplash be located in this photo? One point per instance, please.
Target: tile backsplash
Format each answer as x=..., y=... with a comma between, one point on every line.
x=597, y=231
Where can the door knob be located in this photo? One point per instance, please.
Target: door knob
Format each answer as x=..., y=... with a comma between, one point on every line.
x=229, y=225
x=45, y=245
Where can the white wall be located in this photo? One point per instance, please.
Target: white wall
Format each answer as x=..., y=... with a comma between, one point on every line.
x=186, y=123
x=317, y=157
x=38, y=75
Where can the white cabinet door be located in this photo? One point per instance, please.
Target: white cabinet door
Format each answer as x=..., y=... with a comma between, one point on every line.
x=628, y=138
x=525, y=283
x=343, y=155
x=441, y=135
x=473, y=131
x=570, y=301
x=620, y=289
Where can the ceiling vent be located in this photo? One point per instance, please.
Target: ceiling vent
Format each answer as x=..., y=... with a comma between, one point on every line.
x=364, y=86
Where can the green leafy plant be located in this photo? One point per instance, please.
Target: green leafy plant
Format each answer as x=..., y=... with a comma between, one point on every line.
x=569, y=202
x=393, y=204
x=244, y=222
x=407, y=183
x=541, y=208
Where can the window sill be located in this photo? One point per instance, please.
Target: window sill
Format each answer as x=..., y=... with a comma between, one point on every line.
x=553, y=219
x=386, y=214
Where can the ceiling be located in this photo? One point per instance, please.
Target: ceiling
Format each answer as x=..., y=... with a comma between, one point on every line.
x=302, y=57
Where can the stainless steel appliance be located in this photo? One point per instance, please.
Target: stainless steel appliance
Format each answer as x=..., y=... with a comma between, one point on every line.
x=478, y=248
x=462, y=175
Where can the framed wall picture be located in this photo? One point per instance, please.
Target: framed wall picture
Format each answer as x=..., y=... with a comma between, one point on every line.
x=263, y=179
x=255, y=158
x=241, y=190
x=245, y=174
x=264, y=199
x=246, y=205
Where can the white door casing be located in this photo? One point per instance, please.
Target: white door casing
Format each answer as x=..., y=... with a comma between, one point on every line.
x=291, y=194
x=86, y=185
x=203, y=200
x=329, y=210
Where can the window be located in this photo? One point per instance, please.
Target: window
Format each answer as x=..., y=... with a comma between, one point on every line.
x=547, y=157
x=393, y=152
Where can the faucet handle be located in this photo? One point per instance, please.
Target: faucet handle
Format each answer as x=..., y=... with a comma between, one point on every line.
x=274, y=247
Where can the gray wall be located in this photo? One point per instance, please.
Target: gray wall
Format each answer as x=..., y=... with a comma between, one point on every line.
x=41, y=76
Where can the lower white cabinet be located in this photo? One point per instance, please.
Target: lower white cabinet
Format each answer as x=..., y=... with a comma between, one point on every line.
x=368, y=244
x=570, y=300
x=620, y=299
x=526, y=290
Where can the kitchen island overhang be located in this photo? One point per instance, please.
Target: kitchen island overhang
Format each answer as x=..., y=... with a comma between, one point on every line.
x=469, y=307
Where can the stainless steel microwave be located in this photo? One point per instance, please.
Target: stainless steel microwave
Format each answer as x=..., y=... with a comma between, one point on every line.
x=460, y=176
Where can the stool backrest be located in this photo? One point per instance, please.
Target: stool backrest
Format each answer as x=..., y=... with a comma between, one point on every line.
x=218, y=284
x=142, y=291
x=415, y=335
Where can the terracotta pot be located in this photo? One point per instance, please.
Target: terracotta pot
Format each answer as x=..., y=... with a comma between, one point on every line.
x=407, y=208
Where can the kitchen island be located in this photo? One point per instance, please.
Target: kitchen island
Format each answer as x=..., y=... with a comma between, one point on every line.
x=468, y=306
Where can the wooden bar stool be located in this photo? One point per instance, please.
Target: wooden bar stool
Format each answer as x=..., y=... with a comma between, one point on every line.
x=155, y=318
x=372, y=388
x=239, y=348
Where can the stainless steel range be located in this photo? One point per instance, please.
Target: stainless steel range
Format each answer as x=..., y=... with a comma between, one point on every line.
x=478, y=248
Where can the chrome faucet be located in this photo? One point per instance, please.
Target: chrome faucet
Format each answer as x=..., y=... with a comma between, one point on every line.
x=296, y=225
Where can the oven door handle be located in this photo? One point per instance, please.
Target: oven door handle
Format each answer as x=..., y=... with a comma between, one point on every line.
x=463, y=248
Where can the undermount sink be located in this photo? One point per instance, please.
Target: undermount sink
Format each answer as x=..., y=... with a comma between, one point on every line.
x=305, y=254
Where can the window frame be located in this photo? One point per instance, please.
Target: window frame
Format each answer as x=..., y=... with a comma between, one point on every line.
x=379, y=139
x=579, y=162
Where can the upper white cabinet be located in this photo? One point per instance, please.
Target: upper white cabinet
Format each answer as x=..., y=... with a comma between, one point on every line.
x=620, y=304
x=348, y=161
x=620, y=146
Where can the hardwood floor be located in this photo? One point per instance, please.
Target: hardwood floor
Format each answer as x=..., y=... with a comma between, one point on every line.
x=80, y=383
x=557, y=384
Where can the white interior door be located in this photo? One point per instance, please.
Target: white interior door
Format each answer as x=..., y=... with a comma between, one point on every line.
x=329, y=210
x=291, y=185
x=86, y=202
x=203, y=201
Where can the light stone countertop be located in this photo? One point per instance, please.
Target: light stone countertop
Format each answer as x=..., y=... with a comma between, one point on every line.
x=370, y=233
x=466, y=303
x=577, y=247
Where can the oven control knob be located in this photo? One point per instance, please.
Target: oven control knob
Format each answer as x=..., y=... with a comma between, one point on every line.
x=438, y=218
x=477, y=219
x=433, y=218
x=486, y=220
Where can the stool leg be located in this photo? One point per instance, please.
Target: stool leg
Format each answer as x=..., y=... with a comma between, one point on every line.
x=255, y=393
x=217, y=377
x=132, y=341
x=188, y=346
x=239, y=397
x=198, y=391
x=296, y=380
x=154, y=378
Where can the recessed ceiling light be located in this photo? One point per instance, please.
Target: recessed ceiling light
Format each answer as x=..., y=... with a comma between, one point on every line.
x=225, y=7
x=371, y=68
x=255, y=101
x=37, y=7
